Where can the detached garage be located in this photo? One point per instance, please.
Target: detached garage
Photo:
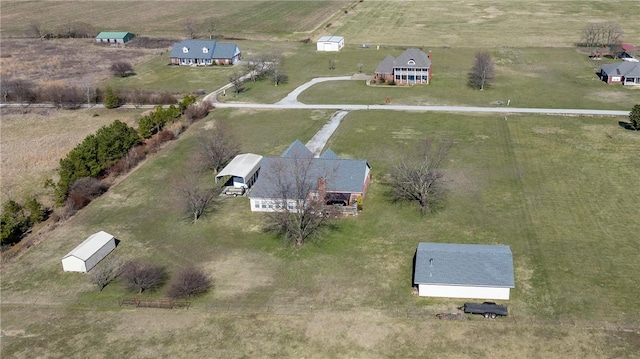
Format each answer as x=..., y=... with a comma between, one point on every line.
x=86, y=255
x=464, y=271
x=330, y=43
x=242, y=171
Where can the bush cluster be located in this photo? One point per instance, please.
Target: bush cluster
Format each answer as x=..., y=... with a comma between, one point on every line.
x=94, y=155
x=17, y=219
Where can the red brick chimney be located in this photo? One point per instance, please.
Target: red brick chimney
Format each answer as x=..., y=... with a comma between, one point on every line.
x=322, y=190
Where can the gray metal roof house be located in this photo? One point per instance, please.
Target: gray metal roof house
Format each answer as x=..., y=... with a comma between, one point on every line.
x=410, y=68
x=626, y=73
x=334, y=180
x=204, y=53
x=464, y=270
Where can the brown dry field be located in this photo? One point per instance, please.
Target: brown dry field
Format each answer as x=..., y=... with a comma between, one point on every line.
x=65, y=62
x=32, y=144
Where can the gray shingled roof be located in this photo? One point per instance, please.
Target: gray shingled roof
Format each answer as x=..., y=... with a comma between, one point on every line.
x=627, y=69
x=330, y=155
x=297, y=149
x=386, y=65
x=419, y=58
x=464, y=265
x=342, y=175
x=215, y=50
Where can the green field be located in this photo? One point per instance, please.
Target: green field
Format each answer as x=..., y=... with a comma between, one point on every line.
x=551, y=188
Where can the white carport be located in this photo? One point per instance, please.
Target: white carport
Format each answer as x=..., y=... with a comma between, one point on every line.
x=330, y=43
x=243, y=170
x=88, y=253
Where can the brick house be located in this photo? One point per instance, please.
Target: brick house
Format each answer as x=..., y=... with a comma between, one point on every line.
x=625, y=73
x=412, y=67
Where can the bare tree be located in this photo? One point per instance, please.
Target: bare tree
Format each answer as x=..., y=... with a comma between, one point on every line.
x=591, y=35
x=121, y=69
x=143, y=276
x=217, y=147
x=606, y=34
x=23, y=91
x=209, y=27
x=105, y=272
x=482, y=71
x=278, y=76
x=188, y=283
x=190, y=28
x=418, y=176
x=237, y=81
x=36, y=29
x=257, y=66
x=196, y=198
x=298, y=192
x=611, y=34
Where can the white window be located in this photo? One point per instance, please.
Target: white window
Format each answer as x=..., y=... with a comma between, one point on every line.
x=205, y=50
x=256, y=204
x=185, y=49
x=411, y=62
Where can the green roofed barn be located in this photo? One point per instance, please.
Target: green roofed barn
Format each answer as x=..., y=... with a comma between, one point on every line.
x=114, y=37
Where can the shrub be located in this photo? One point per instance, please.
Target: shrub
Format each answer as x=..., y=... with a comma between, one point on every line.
x=197, y=112
x=13, y=222
x=111, y=98
x=121, y=69
x=188, y=283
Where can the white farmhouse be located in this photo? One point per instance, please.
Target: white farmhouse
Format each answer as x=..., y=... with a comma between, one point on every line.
x=88, y=253
x=330, y=43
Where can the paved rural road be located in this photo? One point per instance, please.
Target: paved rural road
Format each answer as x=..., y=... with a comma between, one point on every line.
x=291, y=102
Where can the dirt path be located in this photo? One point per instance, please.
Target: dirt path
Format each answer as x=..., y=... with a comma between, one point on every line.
x=319, y=140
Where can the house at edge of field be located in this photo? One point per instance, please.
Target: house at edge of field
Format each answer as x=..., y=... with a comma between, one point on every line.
x=88, y=253
x=626, y=73
x=204, y=53
x=110, y=37
x=333, y=181
x=330, y=43
x=242, y=171
x=412, y=67
x=463, y=271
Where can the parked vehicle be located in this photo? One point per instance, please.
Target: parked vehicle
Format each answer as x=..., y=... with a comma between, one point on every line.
x=487, y=309
x=234, y=191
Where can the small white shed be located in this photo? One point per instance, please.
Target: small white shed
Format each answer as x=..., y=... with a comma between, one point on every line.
x=330, y=43
x=88, y=253
x=464, y=271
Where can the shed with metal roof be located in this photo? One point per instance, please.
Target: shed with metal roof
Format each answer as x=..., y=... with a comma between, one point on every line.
x=88, y=253
x=330, y=43
x=114, y=37
x=242, y=171
x=464, y=270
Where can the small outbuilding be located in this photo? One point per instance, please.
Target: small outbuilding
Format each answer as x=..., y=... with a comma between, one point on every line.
x=114, y=37
x=330, y=43
x=88, y=253
x=242, y=171
x=464, y=271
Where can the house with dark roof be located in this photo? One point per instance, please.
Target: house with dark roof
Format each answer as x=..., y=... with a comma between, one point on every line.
x=297, y=176
x=204, y=53
x=626, y=73
x=412, y=67
x=474, y=271
x=114, y=37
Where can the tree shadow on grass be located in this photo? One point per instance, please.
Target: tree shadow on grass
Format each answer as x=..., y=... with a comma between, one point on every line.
x=626, y=125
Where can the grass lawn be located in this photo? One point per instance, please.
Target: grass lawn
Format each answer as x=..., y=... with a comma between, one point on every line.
x=552, y=188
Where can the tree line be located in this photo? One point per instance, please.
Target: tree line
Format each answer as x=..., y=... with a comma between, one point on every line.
x=26, y=92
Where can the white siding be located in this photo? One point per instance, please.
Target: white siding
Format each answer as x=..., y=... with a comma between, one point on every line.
x=449, y=291
x=73, y=264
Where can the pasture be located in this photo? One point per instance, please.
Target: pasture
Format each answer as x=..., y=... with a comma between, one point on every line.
x=556, y=189
x=404, y=23
x=551, y=188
